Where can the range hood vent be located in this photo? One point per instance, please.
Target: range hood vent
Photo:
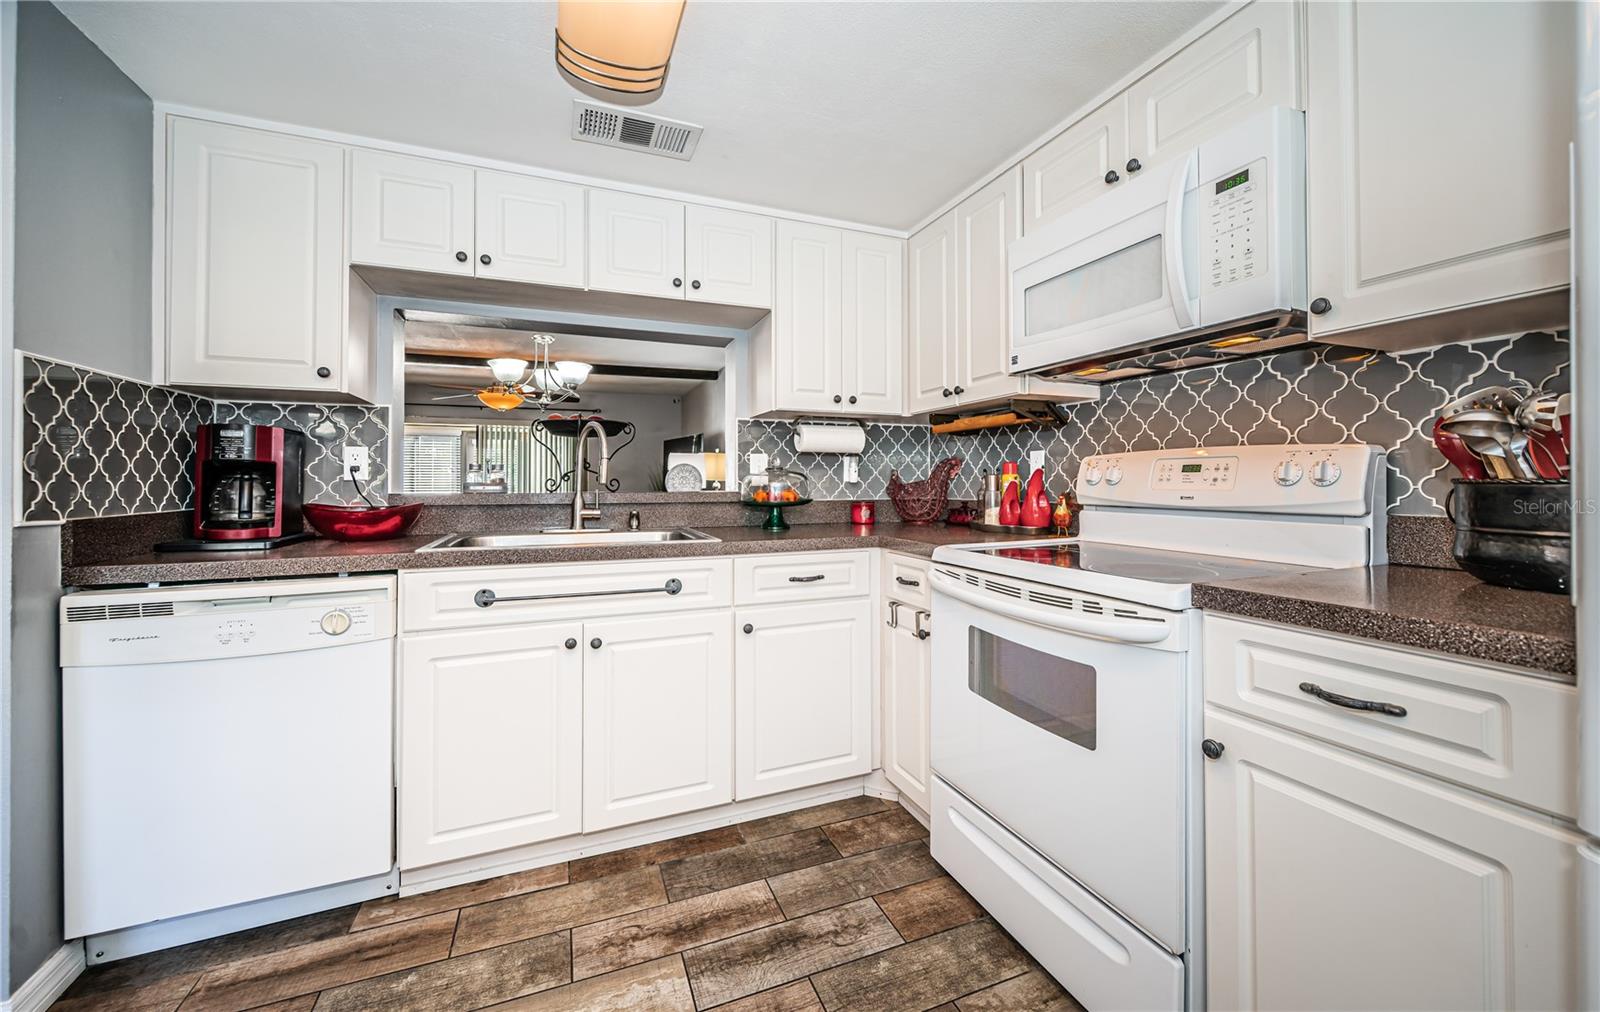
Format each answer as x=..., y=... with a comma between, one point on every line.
x=634, y=131
x=1264, y=334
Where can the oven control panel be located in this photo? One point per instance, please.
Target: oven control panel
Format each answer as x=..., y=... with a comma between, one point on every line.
x=1325, y=479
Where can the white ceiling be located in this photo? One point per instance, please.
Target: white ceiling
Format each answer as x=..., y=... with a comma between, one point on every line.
x=867, y=112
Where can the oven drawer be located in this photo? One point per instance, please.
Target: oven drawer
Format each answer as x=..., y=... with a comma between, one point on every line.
x=905, y=579
x=813, y=576
x=1496, y=730
x=1103, y=960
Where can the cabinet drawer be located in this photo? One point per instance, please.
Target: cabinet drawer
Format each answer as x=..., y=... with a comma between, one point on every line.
x=1508, y=734
x=905, y=579
x=448, y=598
x=814, y=576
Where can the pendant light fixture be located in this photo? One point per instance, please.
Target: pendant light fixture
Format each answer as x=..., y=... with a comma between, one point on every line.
x=619, y=45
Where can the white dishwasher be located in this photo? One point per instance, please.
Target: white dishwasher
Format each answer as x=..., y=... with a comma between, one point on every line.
x=223, y=744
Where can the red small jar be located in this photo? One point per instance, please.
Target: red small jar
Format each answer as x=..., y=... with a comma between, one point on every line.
x=863, y=512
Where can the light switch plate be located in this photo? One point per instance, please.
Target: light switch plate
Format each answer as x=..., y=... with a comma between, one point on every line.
x=852, y=469
x=1036, y=459
x=758, y=463
x=356, y=459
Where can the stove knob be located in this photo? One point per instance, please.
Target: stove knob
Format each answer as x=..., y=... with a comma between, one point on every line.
x=1092, y=476
x=1114, y=475
x=1289, y=473
x=335, y=623
x=1325, y=473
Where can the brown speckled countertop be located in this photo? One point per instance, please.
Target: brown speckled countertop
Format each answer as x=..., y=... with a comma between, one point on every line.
x=1444, y=610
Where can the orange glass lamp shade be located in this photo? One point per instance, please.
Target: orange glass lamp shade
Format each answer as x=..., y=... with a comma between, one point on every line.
x=500, y=398
x=621, y=45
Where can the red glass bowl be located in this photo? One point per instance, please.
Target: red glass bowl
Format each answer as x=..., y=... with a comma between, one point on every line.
x=362, y=523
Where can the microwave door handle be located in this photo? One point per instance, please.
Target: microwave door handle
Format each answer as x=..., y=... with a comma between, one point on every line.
x=1177, y=283
x=1122, y=631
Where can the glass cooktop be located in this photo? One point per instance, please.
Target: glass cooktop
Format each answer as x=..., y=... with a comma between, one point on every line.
x=1156, y=565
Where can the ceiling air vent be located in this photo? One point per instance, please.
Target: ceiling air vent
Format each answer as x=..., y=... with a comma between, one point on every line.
x=625, y=128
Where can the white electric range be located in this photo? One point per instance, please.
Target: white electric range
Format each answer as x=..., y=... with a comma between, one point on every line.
x=1067, y=701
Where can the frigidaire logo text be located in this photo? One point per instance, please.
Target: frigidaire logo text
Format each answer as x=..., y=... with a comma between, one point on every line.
x=133, y=639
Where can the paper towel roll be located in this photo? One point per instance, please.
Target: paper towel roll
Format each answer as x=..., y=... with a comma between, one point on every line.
x=829, y=438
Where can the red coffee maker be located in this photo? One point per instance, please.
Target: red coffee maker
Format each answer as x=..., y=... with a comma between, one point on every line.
x=249, y=485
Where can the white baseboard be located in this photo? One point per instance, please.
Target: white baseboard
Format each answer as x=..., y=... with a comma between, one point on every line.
x=48, y=982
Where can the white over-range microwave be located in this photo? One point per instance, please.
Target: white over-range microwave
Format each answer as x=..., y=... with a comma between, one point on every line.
x=1199, y=258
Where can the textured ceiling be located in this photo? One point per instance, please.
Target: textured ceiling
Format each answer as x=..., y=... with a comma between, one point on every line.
x=868, y=112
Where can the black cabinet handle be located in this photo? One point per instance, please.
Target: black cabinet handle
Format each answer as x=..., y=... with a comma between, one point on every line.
x=1351, y=703
x=1133, y=165
x=852, y=398
x=323, y=372
x=748, y=628
x=595, y=643
x=837, y=398
x=677, y=282
x=572, y=643
x=959, y=391
x=1212, y=748
x=1111, y=176
x=1320, y=306
x=484, y=260
x=695, y=285
x=461, y=255
x=902, y=581
x=947, y=391
x=807, y=579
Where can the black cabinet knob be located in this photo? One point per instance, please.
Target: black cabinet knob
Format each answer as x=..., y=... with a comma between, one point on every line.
x=484, y=260
x=1212, y=748
x=323, y=372
x=837, y=398
x=677, y=282
x=1111, y=176
x=748, y=628
x=852, y=398
x=947, y=391
x=695, y=285
x=572, y=643
x=1320, y=306
x=461, y=255
x=1133, y=165
x=595, y=643
x=959, y=391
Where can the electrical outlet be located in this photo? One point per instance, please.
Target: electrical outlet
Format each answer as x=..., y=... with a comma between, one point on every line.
x=356, y=460
x=758, y=463
x=852, y=469
x=1036, y=460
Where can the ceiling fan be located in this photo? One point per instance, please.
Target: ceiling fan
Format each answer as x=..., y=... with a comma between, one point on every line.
x=517, y=381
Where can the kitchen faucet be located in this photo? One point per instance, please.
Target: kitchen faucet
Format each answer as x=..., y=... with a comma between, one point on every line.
x=580, y=512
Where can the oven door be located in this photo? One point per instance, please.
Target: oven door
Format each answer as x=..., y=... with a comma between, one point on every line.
x=1062, y=716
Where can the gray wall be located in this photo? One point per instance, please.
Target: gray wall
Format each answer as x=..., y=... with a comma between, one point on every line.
x=82, y=198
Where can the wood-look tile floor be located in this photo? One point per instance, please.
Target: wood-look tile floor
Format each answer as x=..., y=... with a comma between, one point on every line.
x=836, y=907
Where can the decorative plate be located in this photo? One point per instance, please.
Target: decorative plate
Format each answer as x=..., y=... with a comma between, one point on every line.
x=685, y=478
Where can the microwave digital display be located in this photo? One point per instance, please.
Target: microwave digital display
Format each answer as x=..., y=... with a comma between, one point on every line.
x=1237, y=179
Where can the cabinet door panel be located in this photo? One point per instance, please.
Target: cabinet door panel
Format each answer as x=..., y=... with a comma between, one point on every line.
x=804, y=695
x=932, y=308
x=658, y=717
x=490, y=741
x=531, y=229
x=1240, y=67
x=907, y=676
x=874, y=323
x=1480, y=211
x=1319, y=860
x=256, y=259
x=808, y=318
x=728, y=257
x=412, y=213
x=1070, y=171
x=635, y=244
x=985, y=223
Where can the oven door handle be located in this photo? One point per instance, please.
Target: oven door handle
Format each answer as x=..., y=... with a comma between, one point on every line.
x=1117, y=630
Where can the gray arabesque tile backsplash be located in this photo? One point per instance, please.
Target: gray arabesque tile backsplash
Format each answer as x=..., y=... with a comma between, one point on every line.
x=1310, y=395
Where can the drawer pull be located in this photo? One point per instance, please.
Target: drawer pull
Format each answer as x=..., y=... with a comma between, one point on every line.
x=902, y=581
x=486, y=597
x=1350, y=702
x=807, y=579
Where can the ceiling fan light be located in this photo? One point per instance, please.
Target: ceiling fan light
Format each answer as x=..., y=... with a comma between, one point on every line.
x=572, y=374
x=507, y=370
x=499, y=399
x=620, y=45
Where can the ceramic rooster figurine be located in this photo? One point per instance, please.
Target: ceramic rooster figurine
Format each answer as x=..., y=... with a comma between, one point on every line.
x=923, y=502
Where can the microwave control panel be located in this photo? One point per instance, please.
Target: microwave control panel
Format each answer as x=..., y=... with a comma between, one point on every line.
x=1233, y=225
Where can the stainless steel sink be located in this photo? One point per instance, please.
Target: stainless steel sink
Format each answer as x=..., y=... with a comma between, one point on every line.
x=562, y=539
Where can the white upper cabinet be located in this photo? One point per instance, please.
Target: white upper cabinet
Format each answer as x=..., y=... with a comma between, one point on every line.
x=636, y=244
x=1244, y=65
x=530, y=229
x=985, y=223
x=412, y=213
x=931, y=305
x=1079, y=164
x=256, y=271
x=808, y=318
x=1436, y=162
x=728, y=257
x=874, y=332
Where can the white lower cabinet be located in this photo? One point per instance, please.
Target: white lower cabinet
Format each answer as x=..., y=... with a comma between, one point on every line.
x=657, y=717
x=804, y=694
x=491, y=748
x=907, y=680
x=1338, y=881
